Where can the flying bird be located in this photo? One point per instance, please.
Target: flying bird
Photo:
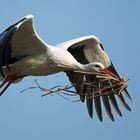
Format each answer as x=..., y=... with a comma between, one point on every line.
x=23, y=53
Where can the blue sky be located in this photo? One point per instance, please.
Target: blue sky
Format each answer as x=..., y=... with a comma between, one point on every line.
x=116, y=23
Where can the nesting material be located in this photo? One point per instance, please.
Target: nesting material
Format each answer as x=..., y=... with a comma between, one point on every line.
x=108, y=84
x=104, y=84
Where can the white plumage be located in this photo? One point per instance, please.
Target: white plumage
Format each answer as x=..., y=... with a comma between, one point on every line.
x=23, y=53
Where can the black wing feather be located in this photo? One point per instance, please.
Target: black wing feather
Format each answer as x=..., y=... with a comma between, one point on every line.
x=86, y=91
x=115, y=104
x=97, y=100
x=5, y=46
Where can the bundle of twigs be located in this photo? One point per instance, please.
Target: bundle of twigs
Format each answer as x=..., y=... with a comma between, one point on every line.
x=107, y=84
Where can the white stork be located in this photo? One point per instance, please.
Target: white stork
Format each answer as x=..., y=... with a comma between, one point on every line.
x=23, y=53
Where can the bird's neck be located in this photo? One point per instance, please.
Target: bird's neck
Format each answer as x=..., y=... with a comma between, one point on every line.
x=85, y=69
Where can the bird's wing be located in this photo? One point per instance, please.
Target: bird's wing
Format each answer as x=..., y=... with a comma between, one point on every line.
x=18, y=41
x=86, y=50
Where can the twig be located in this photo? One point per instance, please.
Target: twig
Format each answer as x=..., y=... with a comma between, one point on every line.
x=114, y=85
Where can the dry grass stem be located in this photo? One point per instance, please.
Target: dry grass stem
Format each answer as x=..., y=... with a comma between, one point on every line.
x=106, y=85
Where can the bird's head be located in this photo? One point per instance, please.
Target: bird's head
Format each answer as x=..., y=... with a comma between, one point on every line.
x=100, y=68
x=96, y=66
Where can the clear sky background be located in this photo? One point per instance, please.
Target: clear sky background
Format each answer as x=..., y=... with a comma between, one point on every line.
x=28, y=116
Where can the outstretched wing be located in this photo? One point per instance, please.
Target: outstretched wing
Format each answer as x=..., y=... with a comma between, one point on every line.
x=18, y=41
x=86, y=50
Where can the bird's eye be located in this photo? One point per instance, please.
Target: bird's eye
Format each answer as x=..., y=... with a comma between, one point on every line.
x=97, y=66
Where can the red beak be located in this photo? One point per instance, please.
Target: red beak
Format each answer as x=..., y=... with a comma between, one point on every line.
x=106, y=71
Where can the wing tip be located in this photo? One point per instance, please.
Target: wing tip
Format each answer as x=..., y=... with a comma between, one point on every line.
x=90, y=111
x=100, y=118
x=29, y=16
x=90, y=115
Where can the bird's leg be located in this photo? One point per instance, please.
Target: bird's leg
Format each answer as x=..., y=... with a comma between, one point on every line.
x=8, y=84
x=9, y=80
